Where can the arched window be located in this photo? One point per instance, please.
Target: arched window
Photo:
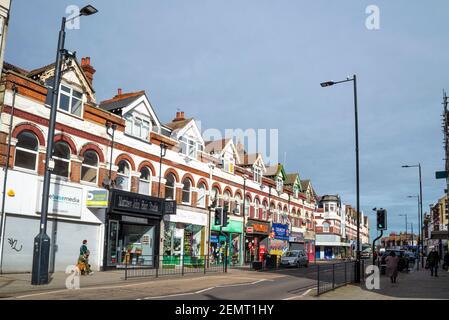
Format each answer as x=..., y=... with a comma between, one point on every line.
x=26, y=151
x=257, y=208
x=61, y=156
x=214, y=196
x=247, y=206
x=201, y=198
x=227, y=200
x=186, y=191
x=238, y=204
x=89, y=168
x=325, y=227
x=145, y=181
x=265, y=210
x=123, y=173
x=170, y=187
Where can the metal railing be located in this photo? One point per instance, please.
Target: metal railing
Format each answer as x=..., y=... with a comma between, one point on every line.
x=332, y=276
x=159, y=266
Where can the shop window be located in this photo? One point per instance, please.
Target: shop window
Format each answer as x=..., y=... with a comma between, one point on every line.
x=201, y=196
x=123, y=173
x=186, y=191
x=89, y=168
x=145, y=181
x=26, y=151
x=70, y=100
x=170, y=187
x=61, y=156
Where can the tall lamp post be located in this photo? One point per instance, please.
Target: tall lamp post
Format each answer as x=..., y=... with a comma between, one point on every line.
x=41, y=252
x=328, y=84
x=163, y=154
x=420, y=211
x=406, y=224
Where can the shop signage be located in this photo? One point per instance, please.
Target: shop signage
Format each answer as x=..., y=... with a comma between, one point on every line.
x=63, y=199
x=189, y=217
x=213, y=239
x=258, y=227
x=97, y=199
x=134, y=220
x=296, y=237
x=280, y=231
x=128, y=202
x=169, y=207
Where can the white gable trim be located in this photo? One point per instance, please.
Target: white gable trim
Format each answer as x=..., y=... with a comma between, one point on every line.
x=191, y=125
x=143, y=99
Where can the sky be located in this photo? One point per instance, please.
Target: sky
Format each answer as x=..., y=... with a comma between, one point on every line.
x=258, y=64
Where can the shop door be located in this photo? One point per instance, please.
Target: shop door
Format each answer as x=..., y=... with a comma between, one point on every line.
x=113, y=250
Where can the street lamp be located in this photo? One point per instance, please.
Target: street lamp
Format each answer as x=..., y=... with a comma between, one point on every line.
x=41, y=252
x=420, y=221
x=329, y=84
x=163, y=154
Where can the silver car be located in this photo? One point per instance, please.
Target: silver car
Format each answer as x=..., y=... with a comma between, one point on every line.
x=295, y=258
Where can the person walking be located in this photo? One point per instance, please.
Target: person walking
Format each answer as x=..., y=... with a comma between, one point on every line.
x=83, y=260
x=433, y=259
x=392, y=262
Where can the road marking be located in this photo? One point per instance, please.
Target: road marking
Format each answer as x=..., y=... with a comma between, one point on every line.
x=204, y=290
x=300, y=296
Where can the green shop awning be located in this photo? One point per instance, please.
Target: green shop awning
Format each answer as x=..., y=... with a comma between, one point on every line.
x=233, y=227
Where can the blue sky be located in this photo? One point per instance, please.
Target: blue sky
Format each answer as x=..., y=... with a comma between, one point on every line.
x=258, y=64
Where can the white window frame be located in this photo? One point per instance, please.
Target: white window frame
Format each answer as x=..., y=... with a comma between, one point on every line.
x=190, y=192
x=27, y=151
x=144, y=181
x=279, y=184
x=326, y=227
x=257, y=171
x=90, y=167
x=71, y=97
x=64, y=160
x=131, y=126
x=189, y=147
x=201, y=201
x=247, y=205
x=125, y=176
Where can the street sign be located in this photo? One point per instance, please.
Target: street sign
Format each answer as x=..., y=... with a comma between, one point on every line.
x=441, y=175
x=249, y=230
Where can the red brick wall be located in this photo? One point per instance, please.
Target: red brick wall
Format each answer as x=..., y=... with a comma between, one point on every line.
x=75, y=171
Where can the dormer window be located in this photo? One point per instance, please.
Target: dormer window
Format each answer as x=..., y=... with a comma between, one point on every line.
x=257, y=174
x=137, y=127
x=228, y=165
x=188, y=147
x=70, y=100
x=296, y=192
x=279, y=184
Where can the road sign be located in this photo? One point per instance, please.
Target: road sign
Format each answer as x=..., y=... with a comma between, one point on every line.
x=441, y=175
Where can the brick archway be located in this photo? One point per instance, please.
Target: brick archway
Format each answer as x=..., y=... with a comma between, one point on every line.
x=94, y=147
x=68, y=140
x=128, y=158
x=32, y=128
x=149, y=165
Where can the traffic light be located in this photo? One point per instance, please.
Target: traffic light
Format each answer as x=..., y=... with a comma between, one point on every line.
x=382, y=219
x=225, y=216
x=218, y=216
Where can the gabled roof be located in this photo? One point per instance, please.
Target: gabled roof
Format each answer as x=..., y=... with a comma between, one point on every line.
x=16, y=69
x=216, y=146
x=121, y=101
x=291, y=179
x=274, y=170
x=176, y=125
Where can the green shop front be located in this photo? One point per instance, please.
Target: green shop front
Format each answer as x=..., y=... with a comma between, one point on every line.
x=229, y=237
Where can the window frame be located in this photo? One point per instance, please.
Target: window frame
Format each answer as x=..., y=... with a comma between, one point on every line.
x=145, y=181
x=257, y=174
x=201, y=204
x=71, y=98
x=123, y=175
x=189, y=192
x=62, y=159
x=173, y=188
x=90, y=167
x=27, y=151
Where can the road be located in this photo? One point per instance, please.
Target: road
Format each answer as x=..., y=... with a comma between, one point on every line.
x=285, y=284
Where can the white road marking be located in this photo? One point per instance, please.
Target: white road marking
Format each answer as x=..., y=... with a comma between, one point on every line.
x=300, y=296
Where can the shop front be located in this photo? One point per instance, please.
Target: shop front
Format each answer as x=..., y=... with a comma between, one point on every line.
x=309, y=245
x=133, y=229
x=229, y=237
x=256, y=240
x=184, y=237
x=279, y=239
x=296, y=240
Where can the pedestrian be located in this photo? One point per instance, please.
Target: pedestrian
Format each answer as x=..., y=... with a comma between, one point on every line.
x=433, y=259
x=392, y=262
x=83, y=259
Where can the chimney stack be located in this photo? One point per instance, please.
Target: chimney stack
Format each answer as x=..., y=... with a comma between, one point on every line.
x=179, y=116
x=119, y=91
x=89, y=71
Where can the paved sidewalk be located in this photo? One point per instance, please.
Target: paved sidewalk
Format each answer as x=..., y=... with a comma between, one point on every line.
x=412, y=285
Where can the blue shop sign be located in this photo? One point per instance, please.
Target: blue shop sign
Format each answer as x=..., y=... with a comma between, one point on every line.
x=213, y=239
x=280, y=231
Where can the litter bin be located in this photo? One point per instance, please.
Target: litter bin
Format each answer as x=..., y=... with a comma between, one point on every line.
x=271, y=261
x=257, y=265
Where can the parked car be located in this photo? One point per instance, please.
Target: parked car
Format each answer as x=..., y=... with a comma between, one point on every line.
x=403, y=260
x=295, y=258
x=411, y=256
